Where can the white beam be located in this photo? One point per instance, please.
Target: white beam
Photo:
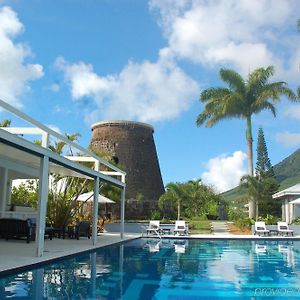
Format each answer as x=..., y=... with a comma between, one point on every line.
x=24, y=130
x=42, y=208
x=19, y=167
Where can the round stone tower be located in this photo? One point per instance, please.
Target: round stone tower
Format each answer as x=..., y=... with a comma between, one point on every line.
x=132, y=145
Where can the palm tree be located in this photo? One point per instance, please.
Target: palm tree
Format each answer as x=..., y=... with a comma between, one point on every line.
x=174, y=193
x=242, y=99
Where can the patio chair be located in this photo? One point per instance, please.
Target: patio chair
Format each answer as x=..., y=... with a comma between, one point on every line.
x=260, y=227
x=283, y=227
x=154, y=227
x=180, y=228
x=83, y=228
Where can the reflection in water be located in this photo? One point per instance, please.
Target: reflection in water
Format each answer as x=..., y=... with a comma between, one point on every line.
x=166, y=269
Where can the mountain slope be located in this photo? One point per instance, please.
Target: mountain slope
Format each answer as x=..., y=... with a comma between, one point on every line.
x=287, y=173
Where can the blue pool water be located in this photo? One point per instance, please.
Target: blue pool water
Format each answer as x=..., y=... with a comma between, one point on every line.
x=167, y=269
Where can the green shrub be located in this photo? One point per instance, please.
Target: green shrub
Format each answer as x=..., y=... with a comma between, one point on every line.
x=236, y=213
x=296, y=221
x=270, y=219
x=155, y=215
x=243, y=223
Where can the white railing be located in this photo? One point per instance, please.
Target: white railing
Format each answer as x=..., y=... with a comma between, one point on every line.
x=46, y=132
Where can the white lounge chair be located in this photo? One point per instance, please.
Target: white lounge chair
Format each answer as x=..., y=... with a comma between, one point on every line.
x=154, y=227
x=260, y=227
x=180, y=228
x=283, y=227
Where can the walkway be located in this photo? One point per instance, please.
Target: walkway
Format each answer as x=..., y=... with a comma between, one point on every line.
x=220, y=228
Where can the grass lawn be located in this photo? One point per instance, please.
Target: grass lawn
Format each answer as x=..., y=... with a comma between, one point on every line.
x=199, y=227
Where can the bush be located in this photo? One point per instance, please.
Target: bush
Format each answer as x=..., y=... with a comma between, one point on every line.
x=296, y=221
x=155, y=215
x=270, y=219
x=235, y=213
x=243, y=223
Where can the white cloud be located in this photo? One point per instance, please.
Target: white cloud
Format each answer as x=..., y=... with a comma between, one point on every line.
x=14, y=71
x=144, y=91
x=288, y=139
x=246, y=34
x=55, y=87
x=292, y=112
x=225, y=171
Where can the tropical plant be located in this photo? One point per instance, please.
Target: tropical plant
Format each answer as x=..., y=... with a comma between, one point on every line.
x=242, y=99
x=174, y=194
x=264, y=184
x=192, y=199
x=25, y=194
x=5, y=123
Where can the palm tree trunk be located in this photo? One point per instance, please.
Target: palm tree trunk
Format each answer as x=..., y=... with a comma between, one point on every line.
x=178, y=210
x=252, y=208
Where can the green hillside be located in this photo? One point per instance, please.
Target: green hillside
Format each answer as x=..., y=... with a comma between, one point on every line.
x=287, y=173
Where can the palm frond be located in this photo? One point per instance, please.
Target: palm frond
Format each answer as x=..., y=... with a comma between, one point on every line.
x=264, y=105
x=258, y=78
x=233, y=79
x=211, y=93
x=274, y=91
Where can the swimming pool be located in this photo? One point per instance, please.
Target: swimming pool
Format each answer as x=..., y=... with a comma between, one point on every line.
x=167, y=269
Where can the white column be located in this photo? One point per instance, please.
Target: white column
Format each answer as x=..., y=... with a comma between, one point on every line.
x=45, y=139
x=3, y=188
x=283, y=211
x=291, y=213
x=287, y=214
x=95, y=210
x=43, y=198
x=123, y=190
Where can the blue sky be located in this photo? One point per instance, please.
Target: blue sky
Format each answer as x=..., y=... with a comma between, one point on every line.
x=72, y=63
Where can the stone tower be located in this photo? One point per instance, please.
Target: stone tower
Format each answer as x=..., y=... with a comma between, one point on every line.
x=132, y=144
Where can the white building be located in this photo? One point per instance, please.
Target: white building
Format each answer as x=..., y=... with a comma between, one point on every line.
x=290, y=199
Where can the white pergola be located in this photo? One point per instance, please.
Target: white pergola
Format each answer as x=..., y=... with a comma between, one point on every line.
x=21, y=158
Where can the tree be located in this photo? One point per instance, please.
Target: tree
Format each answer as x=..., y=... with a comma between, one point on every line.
x=263, y=185
x=263, y=164
x=174, y=194
x=242, y=99
x=192, y=198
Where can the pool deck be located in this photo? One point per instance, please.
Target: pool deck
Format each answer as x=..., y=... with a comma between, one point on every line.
x=16, y=254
